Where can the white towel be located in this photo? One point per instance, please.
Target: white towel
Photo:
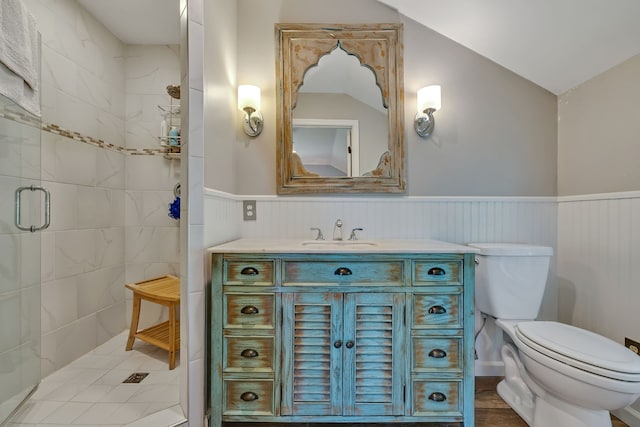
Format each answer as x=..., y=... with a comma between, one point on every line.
x=18, y=37
x=19, y=55
x=13, y=87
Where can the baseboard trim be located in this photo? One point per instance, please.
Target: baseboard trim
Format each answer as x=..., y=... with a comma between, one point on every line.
x=628, y=415
x=485, y=368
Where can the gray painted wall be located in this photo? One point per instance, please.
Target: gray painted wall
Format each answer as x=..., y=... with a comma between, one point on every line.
x=495, y=135
x=599, y=133
x=221, y=129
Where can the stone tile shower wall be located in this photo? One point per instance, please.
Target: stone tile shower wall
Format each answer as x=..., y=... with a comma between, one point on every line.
x=152, y=237
x=104, y=220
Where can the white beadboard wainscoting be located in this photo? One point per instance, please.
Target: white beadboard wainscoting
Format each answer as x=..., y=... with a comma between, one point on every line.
x=452, y=219
x=593, y=278
x=599, y=268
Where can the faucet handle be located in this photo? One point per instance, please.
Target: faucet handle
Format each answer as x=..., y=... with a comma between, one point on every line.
x=354, y=236
x=319, y=236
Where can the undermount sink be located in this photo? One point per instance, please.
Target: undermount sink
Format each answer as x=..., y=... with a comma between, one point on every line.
x=340, y=243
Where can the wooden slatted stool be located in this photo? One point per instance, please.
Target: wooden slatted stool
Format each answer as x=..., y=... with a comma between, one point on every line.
x=165, y=291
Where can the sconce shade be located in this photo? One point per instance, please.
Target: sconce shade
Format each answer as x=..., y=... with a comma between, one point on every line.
x=429, y=101
x=429, y=97
x=249, y=102
x=249, y=97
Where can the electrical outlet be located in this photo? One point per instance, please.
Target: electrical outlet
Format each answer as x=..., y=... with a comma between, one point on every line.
x=249, y=210
x=632, y=345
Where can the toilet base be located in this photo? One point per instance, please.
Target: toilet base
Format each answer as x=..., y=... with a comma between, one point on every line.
x=536, y=406
x=560, y=413
x=544, y=413
x=523, y=407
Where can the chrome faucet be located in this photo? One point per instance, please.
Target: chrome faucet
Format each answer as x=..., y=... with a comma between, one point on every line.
x=319, y=236
x=337, y=228
x=354, y=236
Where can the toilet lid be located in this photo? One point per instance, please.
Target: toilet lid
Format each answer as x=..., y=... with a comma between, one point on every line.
x=580, y=348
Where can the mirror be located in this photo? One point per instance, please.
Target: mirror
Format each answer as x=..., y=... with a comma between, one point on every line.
x=328, y=147
x=340, y=109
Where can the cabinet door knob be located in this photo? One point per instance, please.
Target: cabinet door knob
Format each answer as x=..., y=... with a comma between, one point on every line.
x=249, y=271
x=350, y=344
x=337, y=344
x=436, y=271
x=249, y=353
x=437, y=309
x=437, y=397
x=437, y=353
x=343, y=271
x=249, y=309
x=249, y=396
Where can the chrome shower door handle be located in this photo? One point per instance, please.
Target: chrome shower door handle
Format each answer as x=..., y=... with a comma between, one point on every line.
x=47, y=208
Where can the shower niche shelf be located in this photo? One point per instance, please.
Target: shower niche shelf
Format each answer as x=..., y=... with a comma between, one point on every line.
x=170, y=131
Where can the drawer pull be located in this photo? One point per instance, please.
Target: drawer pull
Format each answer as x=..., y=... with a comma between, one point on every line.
x=249, y=353
x=437, y=309
x=249, y=309
x=350, y=344
x=437, y=397
x=249, y=271
x=337, y=344
x=436, y=271
x=436, y=353
x=249, y=396
x=343, y=271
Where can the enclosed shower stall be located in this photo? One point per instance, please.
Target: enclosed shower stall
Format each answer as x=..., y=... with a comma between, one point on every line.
x=24, y=211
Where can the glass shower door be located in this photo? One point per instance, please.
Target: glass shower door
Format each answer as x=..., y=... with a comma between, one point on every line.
x=20, y=280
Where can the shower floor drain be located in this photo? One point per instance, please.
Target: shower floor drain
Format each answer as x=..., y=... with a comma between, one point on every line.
x=136, y=377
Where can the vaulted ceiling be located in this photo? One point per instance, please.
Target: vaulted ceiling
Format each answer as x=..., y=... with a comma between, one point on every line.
x=557, y=44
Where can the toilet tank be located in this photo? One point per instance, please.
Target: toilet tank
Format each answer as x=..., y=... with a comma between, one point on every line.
x=510, y=279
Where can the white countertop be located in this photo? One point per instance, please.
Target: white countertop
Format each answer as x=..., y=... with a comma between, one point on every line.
x=345, y=246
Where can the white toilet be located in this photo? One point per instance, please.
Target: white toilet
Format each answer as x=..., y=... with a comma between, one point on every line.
x=555, y=374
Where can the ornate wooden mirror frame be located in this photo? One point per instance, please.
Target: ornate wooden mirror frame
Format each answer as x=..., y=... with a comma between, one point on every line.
x=378, y=47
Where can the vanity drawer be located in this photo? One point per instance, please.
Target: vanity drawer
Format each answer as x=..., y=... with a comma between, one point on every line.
x=243, y=396
x=372, y=273
x=427, y=273
x=248, y=353
x=249, y=311
x=437, y=354
x=437, y=396
x=239, y=272
x=437, y=310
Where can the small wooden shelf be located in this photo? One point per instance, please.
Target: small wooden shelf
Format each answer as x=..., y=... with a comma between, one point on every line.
x=165, y=291
x=158, y=335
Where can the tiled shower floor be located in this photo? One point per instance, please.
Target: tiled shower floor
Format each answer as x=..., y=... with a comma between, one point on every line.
x=90, y=392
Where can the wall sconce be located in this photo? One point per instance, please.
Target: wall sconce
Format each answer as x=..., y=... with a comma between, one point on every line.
x=249, y=102
x=428, y=102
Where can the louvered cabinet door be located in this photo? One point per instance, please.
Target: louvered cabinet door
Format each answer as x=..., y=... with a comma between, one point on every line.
x=373, y=354
x=343, y=354
x=312, y=351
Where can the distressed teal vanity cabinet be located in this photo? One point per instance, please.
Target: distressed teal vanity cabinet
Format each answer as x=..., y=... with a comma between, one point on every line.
x=358, y=336
x=324, y=372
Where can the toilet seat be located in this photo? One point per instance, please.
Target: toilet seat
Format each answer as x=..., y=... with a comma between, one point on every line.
x=580, y=349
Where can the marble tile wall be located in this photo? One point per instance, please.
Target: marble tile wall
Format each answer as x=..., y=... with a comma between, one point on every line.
x=83, y=249
x=192, y=307
x=152, y=237
x=110, y=187
x=83, y=267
